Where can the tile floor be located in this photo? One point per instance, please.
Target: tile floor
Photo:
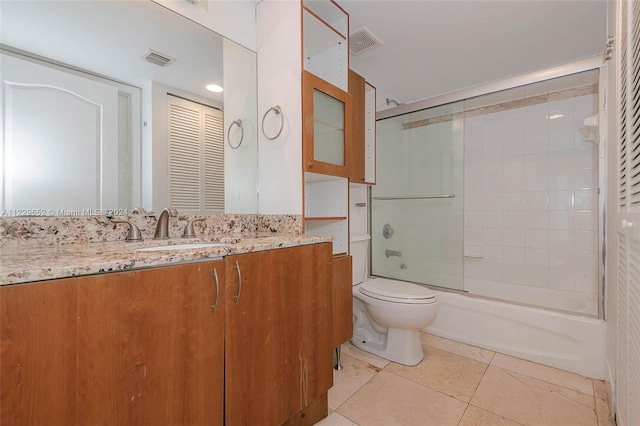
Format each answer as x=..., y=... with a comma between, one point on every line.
x=458, y=384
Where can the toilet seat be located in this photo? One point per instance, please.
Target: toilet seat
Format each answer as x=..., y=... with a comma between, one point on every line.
x=397, y=291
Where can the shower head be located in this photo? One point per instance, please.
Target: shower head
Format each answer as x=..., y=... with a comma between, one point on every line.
x=393, y=101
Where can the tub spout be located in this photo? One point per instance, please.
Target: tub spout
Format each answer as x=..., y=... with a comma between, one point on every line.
x=390, y=253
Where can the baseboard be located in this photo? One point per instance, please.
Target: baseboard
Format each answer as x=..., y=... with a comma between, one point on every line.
x=610, y=386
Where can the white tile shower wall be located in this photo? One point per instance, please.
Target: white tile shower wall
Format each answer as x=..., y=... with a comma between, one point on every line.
x=531, y=196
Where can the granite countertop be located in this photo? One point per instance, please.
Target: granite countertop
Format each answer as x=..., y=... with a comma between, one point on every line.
x=27, y=264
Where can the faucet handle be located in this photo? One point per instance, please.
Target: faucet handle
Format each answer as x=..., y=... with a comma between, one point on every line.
x=140, y=211
x=189, y=232
x=173, y=212
x=134, y=232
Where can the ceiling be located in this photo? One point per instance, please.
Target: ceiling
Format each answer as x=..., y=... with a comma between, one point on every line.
x=431, y=48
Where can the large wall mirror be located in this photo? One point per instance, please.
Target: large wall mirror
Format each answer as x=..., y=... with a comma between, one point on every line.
x=105, y=108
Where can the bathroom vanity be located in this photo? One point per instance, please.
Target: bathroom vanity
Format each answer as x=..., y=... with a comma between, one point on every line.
x=236, y=340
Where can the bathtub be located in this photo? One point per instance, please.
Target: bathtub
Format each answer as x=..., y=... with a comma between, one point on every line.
x=569, y=342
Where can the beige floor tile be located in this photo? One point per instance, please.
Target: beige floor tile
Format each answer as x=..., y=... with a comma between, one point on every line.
x=335, y=419
x=389, y=400
x=462, y=349
x=604, y=414
x=599, y=389
x=475, y=416
x=542, y=372
x=445, y=372
x=374, y=360
x=531, y=401
x=347, y=381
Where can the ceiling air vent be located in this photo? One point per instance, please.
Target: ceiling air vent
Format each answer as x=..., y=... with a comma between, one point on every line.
x=158, y=58
x=361, y=41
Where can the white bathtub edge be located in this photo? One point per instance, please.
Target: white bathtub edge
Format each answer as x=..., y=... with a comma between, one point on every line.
x=568, y=342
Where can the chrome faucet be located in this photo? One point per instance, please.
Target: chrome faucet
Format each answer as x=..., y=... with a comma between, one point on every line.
x=189, y=232
x=390, y=253
x=134, y=233
x=162, y=226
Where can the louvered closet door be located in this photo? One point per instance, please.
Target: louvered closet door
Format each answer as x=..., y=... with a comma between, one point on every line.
x=628, y=218
x=196, y=157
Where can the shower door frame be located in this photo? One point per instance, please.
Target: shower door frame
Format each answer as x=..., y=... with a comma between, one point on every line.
x=589, y=64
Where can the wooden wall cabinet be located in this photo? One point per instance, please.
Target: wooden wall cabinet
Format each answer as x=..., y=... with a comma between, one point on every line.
x=363, y=122
x=326, y=127
x=146, y=347
x=326, y=209
x=328, y=145
x=325, y=47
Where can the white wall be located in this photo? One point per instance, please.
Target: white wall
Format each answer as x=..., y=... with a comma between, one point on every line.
x=235, y=20
x=279, y=35
x=381, y=100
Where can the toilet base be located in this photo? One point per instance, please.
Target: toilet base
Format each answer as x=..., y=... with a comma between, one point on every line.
x=400, y=346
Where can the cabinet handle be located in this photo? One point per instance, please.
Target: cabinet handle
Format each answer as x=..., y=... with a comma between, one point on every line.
x=361, y=204
x=237, y=296
x=215, y=305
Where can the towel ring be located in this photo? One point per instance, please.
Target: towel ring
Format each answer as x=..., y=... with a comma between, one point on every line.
x=238, y=123
x=278, y=111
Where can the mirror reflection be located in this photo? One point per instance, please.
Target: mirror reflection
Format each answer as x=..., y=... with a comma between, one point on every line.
x=106, y=108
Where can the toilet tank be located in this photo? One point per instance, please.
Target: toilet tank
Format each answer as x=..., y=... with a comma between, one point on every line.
x=359, y=249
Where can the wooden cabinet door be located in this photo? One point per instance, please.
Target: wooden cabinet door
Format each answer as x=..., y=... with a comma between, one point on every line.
x=39, y=340
x=357, y=91
x=263, y=337
x=317, y=315
x=151, y=351
x=278, y=333
x=342, y=300
x=326, y=127
x=130, y=348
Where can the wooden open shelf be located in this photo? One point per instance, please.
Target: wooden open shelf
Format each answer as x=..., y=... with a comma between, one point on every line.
x=325, y=218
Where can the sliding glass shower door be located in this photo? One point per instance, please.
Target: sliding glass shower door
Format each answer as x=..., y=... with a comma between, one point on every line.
x=417, y=222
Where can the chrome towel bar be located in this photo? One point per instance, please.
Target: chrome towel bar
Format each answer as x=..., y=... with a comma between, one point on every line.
x=415, y=197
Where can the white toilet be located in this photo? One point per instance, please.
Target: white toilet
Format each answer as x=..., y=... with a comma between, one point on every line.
x=388, y=315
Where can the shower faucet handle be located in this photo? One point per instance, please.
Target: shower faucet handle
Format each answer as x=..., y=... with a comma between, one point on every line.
x=387, y=231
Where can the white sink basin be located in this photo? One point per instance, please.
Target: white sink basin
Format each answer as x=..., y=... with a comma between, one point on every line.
x=183, y=247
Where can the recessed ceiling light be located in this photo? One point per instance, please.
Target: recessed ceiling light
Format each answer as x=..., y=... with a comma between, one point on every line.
x=214, y=88
x=554, y=116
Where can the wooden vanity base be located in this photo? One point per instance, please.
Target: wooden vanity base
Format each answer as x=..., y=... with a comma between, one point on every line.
x=312, y=413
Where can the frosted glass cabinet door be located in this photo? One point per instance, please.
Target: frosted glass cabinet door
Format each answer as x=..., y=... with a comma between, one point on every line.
x=327, y=127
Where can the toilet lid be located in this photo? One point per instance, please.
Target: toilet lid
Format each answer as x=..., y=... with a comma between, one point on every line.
x=397, y=291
